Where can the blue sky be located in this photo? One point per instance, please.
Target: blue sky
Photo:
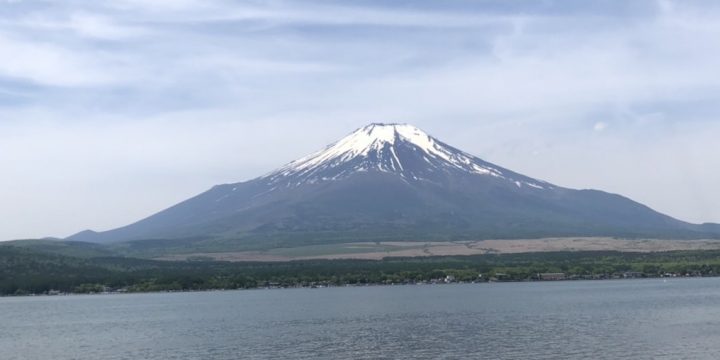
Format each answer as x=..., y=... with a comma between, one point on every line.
x=112, y=110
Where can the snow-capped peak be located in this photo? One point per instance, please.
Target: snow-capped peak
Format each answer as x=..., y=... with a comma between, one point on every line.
x=398, y=148
x=363, y=141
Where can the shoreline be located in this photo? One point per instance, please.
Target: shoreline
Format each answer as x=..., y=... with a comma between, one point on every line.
x=324, y=286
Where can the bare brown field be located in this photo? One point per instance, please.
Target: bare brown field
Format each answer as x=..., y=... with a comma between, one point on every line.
x=378, y=251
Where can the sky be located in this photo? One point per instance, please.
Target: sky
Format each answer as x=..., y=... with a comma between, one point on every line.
x=113, y=110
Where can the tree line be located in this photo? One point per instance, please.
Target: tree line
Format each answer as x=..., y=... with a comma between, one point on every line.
x=24, y=271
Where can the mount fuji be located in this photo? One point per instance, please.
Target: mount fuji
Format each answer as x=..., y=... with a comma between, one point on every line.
x=392, y=182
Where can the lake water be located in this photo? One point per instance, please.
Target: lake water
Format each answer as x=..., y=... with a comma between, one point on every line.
x=634, y=319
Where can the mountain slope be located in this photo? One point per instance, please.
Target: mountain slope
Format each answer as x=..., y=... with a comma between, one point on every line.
x=393, y=182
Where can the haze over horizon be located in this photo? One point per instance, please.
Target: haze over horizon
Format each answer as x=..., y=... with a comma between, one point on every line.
x=110, y=112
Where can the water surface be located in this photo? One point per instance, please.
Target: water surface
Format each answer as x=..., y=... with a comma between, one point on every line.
x=634, y=319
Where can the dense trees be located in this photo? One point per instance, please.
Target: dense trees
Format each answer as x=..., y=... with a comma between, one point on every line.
x=24, y=271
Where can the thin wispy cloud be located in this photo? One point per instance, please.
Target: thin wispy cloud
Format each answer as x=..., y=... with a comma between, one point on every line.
x=110, y=111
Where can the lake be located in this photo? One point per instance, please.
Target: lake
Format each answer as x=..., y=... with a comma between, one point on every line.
x=634, y=319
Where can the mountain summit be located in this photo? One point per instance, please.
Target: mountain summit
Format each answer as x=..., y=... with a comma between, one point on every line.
x=400, y=149
x=391, y=182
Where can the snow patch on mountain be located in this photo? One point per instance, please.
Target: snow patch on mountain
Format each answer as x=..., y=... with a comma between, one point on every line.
x=376, y=148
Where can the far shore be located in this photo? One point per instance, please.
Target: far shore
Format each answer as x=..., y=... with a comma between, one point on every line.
x=381, y=250
x=439, y=282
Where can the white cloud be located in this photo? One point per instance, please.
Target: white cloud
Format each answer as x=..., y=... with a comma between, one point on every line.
x=102, y=27
x=53, y=65
x=600, y=126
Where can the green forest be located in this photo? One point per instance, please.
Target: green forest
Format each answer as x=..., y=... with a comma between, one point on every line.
x=25, y=271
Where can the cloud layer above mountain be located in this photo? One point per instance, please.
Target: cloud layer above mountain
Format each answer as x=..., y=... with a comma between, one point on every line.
x=110, y=111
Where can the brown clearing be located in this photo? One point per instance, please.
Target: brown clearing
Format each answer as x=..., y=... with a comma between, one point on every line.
x=414, y=249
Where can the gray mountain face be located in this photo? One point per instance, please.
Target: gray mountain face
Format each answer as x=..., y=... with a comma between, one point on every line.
x=393, y=182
